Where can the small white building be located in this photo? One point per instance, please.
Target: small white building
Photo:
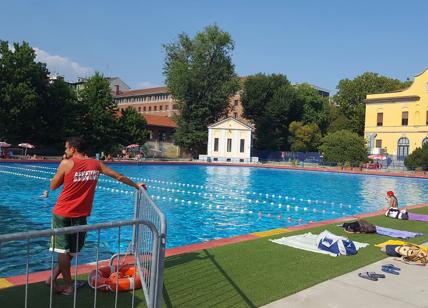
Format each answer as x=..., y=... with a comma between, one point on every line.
x=229, y=140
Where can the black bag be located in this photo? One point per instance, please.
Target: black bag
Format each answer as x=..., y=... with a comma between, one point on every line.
x=359, y=226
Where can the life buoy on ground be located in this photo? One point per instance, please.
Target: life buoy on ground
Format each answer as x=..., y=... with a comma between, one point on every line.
x=107, y=278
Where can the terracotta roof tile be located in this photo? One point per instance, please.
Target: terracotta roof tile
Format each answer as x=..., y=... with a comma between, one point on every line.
x=159, y=121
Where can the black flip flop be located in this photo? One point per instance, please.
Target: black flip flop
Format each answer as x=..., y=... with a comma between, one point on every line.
x=366, y=275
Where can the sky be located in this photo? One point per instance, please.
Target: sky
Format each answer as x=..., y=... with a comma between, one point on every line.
x=319, y=42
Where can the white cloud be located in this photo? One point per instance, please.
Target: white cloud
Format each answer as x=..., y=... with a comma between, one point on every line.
x=146, y=84
x=63, y=66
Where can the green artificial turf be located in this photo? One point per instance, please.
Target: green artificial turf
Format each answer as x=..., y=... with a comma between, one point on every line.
x=246, y=274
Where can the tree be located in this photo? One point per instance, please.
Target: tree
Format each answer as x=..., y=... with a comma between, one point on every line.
x=344, y=146
x=270, y=102
x=132, y=127
x=316, y=108
x=200, y=76
x=33, y=108
x=23, y=88
x=352, y=93
x=98, y=120
x=338, y=120
x=304, y=138
x=418, y=158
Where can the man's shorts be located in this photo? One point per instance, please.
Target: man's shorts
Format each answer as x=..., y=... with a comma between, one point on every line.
x=67, y=243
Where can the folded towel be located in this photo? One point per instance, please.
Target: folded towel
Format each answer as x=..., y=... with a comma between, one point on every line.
x=308, y=242
x=396, y=233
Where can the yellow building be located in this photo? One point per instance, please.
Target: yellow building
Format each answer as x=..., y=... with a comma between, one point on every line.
x=396, y=123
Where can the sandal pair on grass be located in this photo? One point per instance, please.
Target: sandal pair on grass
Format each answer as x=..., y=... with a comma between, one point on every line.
x=387, y=268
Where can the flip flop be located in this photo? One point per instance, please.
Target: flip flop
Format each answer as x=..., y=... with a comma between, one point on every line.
x=373, y=274
x=392, y=266
x=389, y=270
x=366, y=275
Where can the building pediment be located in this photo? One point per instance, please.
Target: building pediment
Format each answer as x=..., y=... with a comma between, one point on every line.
x=230, y=123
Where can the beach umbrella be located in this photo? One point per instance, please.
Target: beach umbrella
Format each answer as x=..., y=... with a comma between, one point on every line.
x=377, y=156
x=26, y=146
x=133, y=146
x=4, y=144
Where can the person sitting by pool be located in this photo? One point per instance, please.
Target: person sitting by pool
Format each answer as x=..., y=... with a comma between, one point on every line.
x=392, y=210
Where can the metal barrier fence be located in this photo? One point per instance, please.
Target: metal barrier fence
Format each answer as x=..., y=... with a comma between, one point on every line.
x=147, y=248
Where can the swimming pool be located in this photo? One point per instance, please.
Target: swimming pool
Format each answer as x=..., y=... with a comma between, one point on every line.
x=200, y=202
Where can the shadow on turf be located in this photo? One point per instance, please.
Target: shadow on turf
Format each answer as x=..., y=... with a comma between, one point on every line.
x=229, y=292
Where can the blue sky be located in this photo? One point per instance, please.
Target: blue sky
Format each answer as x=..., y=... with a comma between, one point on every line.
x=320, y=42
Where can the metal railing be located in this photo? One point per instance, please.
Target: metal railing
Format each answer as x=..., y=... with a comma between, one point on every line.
x=147, y=250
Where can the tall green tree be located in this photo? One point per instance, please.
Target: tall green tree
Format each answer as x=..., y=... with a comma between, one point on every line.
x=351, y=94
x=270, y=101
x=33, y=108
x=132, y=127
x=200, y=76
x=304, y=137
x=98, y=121
x=23, y=89
x=316, y=108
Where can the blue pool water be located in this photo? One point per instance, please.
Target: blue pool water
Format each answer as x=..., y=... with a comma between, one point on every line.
x=201, y=203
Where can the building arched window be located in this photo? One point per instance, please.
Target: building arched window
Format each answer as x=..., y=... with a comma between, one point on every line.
x=425, y=141
x=402, y=148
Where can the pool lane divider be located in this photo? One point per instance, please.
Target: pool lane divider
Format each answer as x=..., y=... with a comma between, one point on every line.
x=86, y=268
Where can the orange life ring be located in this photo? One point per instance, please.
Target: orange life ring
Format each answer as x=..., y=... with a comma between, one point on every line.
x=124, y=279
x=107, y=278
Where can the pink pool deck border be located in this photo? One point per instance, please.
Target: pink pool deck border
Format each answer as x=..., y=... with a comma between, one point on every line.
x=86, y=268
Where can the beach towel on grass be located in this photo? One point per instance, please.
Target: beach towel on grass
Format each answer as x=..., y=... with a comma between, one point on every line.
x=418, y=217
x=396, y=233
x=309, y=242
x=398, y=242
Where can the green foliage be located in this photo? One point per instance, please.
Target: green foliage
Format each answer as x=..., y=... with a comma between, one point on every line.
x=271, y=103
x=304, y=138
x=23, y=88
x=132, y=127
x=352, y=93
x=200, y=76
x=418, y=158
x=99, y=120
x=316, y=108
x=344, y=146
x=338, y=120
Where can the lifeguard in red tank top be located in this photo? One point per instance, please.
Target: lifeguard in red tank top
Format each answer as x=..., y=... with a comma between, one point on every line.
x=77, y=195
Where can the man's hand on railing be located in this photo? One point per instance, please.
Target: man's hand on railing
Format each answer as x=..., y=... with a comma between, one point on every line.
x=142, y=185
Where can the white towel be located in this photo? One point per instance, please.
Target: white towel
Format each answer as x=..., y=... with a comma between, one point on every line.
x=308, y=242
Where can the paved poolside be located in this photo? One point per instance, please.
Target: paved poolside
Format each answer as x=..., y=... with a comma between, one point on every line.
x=407, y=290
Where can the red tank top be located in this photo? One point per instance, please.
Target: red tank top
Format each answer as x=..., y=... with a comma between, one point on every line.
x=77, y=195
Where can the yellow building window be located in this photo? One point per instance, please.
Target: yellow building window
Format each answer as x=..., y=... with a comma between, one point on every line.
x=215, y=144
x=380, y=119
x=426, y=121
x=378, y=143
x=405, y=118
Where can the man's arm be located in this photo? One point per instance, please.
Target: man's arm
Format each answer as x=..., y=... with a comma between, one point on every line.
x=121, y=178
x=58, y=178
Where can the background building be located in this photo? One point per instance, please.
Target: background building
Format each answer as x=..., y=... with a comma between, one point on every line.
x=397, y=122
x=229, y=140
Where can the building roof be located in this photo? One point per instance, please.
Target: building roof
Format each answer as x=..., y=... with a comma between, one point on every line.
x=158, y=90
x=230, y=119
x=153, y=120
